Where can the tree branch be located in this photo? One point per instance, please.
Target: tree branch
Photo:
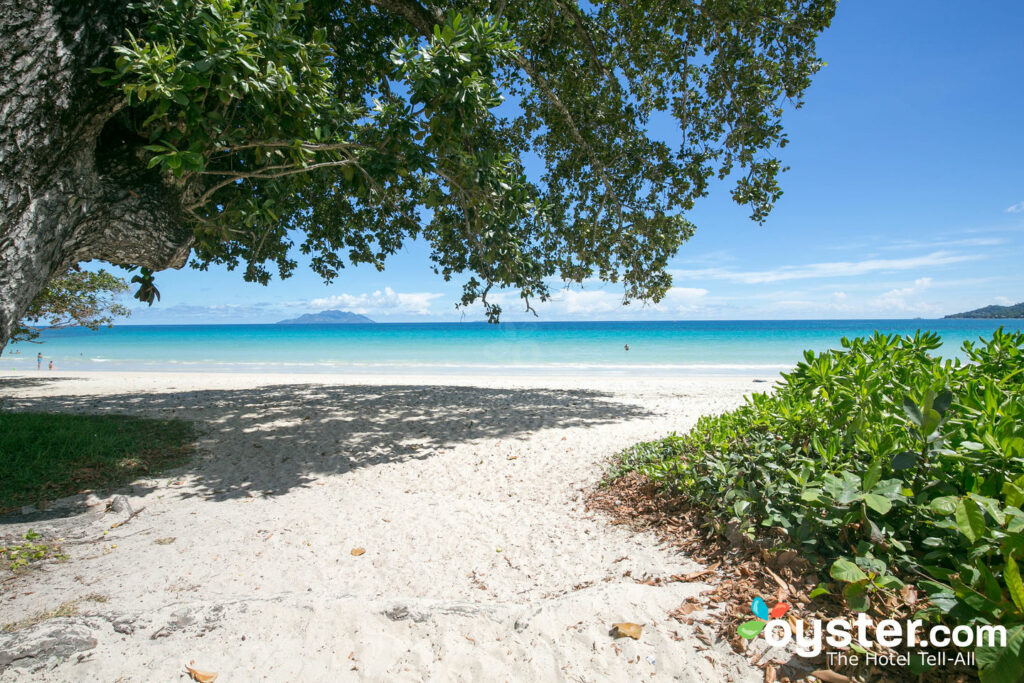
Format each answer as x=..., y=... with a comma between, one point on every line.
x=421, y=18
x=553, y=98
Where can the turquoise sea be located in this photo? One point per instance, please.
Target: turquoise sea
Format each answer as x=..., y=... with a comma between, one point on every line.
x=655, y=348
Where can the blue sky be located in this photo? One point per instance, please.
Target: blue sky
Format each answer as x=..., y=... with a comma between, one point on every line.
x=904, y=198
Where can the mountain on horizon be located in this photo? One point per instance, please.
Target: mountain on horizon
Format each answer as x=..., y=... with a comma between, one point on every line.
x=1015, y=311
x=327, y=318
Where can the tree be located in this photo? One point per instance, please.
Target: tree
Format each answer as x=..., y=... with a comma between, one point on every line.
x=75, y=299
x=136, y=133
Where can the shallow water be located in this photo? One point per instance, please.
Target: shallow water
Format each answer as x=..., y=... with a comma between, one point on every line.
x=655, y=348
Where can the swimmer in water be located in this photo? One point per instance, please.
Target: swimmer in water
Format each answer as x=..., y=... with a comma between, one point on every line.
x=627, y=347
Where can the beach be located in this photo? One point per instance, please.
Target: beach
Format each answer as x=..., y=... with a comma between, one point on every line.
x=370, y=527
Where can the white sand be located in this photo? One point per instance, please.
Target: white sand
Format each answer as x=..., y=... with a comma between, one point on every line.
x=466, y=493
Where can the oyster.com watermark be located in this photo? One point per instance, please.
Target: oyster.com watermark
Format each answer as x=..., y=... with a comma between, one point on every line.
x=810, y=637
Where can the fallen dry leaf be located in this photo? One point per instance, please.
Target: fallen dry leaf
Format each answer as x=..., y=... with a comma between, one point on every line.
x=685, y=608
x=201, y=676
x=358, y=551
x=697, y=574
x=702, y=637
x=627, y=629
x=830, y=676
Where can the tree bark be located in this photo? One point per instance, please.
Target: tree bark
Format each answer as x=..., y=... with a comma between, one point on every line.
x=72, y=186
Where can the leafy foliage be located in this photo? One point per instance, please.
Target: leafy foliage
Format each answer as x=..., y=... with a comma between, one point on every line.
x=885, y=464
x=18, y=556
x=355, y=129
x=75, y=298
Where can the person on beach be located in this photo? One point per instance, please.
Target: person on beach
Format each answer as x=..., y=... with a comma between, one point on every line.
x=51, y=365
x=39, y=362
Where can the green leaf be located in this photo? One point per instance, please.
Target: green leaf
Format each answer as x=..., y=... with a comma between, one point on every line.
x=819, y=590
x=1011, y=574
x=904, y=460
x=930, y=421
x=877, y=503
x=872, y=476
x=970, y=520
x=811, y=495
x=943, y=401
x=856, y=595
x=888, y=581
x=1002, y=664
x=912, y=411
x=944, y=505
x=1013, y=494
x=844, y=570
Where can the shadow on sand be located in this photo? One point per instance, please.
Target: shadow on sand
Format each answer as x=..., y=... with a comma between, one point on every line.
x=268, y=440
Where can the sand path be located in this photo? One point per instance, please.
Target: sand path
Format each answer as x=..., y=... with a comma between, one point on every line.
x=480, y=560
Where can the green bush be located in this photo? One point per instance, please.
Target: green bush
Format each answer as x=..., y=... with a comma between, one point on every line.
x=886, y=465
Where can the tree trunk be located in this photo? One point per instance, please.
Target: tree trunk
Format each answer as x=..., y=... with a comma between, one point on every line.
x=72, y=185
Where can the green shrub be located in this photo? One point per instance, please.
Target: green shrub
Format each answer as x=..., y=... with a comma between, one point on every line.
x=886, y=465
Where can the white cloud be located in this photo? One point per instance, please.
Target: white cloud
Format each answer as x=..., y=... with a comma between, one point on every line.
x=905, y=298
x=966, y=242
x=603, y=304
x=1016, y=208
x=382, y=302
x=825, y=270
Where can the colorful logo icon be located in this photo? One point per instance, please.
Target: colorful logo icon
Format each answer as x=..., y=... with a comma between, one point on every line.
x=750, y=629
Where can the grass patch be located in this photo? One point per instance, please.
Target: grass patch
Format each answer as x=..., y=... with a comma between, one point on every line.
x=66, y=609
x=50, y=455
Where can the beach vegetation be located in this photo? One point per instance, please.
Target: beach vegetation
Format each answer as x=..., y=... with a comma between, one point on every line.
x=245, y=132
x=44, y=456
x=895, y=471
x=29, y=549
x=70, y=608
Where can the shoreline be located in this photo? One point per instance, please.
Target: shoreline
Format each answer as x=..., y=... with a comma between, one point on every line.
x=466, y=495
x=340, y=377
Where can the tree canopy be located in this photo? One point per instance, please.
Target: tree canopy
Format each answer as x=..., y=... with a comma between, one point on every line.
x=352, y=127
x=76, y=298
x=526, y=143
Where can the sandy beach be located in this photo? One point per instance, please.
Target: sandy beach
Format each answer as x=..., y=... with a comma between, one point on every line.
x=466, y=494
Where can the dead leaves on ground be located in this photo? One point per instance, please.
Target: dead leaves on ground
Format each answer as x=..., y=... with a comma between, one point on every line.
x=692, y=576
x=738, y=570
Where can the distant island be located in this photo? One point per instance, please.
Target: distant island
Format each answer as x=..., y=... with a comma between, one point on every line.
x=1015, y=311
x=327, y=318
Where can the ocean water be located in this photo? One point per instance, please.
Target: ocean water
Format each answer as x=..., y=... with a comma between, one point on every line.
x=655, y=348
